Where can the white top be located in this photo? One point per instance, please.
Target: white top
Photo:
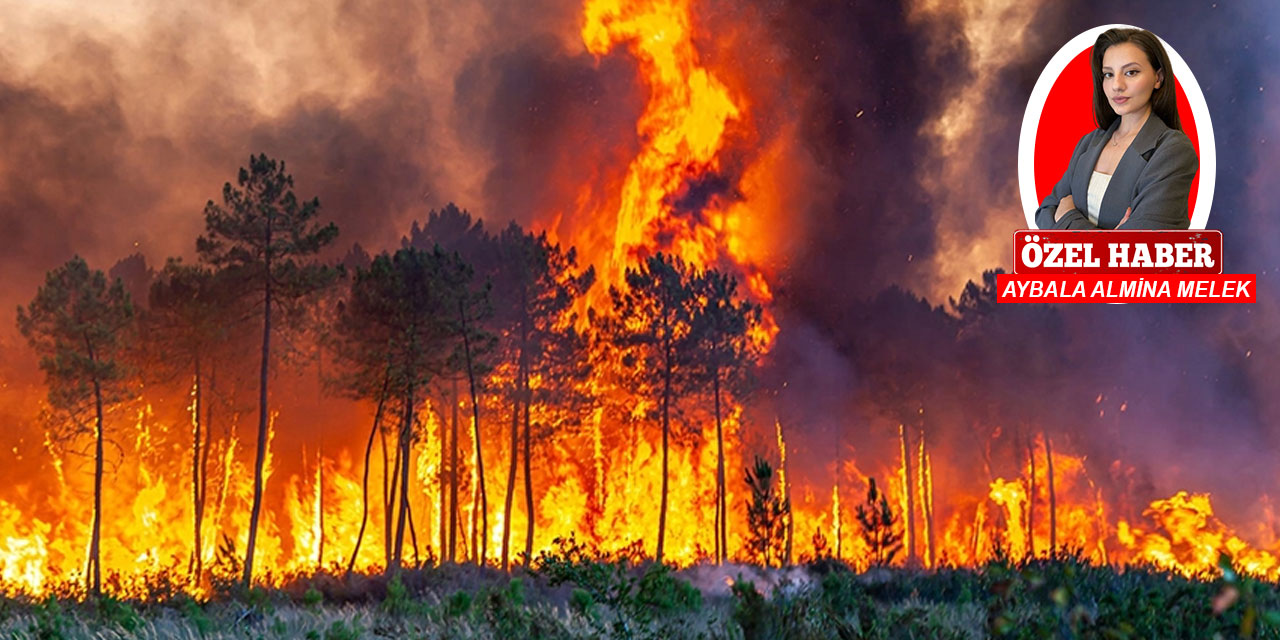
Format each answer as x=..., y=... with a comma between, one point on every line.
x=1097, y=188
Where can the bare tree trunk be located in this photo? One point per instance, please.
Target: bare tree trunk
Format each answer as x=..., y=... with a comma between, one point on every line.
x=393, y=492
x=95, y=542
x=721, y=515
x=204, y=466
x=511, y=470
x=528, y=473
x=413, y=535
x=387, y=474
x=785, y=488
x=483, y=549
x=320, y=505
x=666, y=429
x=1031, y=500
x=403, y=458
x=926, y=499
x=453, y=479
x=368, y=452
x=1053, y=500
x=197, y=498
x=261, y=457
x=908, y=476
x=442, y=494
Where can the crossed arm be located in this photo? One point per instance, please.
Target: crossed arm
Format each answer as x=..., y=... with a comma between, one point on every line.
x=1159, y=202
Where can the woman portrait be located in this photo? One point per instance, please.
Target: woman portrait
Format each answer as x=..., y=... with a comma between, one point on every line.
x=1136, y=169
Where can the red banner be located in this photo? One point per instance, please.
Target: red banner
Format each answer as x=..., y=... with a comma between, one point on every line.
x=1128, y=252
x=1126, y=288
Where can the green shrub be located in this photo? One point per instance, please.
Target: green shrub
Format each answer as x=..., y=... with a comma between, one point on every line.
x=312, y=597
x=51, y=621
x=194, y=613
x=340, y=631
x=115, y=612
x=458, y=604
x=660, y=591
x=397, y=601
x=581, y=602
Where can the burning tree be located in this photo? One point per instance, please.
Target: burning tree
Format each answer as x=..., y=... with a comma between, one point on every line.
x=77, y=323
x=393, y=341
x=536, y=287
x=411, y=318
x=879, y=526
x=766, y=515
x=721, y=329
x=468, y=308
x=651, y=327
x=187, y=325
x=262, y=237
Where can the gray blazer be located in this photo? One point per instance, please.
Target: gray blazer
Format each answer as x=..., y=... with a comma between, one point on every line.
x=1154, y=177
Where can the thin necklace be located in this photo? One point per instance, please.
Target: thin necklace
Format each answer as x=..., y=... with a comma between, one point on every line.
x=1115, y=141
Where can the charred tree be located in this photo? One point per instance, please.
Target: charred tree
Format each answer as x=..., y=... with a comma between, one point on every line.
x=1053, y=499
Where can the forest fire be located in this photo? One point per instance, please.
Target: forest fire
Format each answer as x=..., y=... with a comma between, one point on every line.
x=581, y=398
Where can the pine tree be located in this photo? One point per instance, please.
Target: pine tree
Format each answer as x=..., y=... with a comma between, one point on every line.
x=536, y=285
x=78, y=324
x=766, y=515
x=650, y=327
x=879, y=526
x=264, y=239
x=187, y=323
x=721, y=330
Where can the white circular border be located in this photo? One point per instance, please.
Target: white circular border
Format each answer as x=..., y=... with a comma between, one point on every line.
x=1040, y=94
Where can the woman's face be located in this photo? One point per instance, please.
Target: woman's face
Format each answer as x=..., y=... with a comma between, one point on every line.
x=1128, y=78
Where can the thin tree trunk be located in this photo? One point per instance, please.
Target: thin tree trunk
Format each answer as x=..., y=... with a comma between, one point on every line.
x=511, y=470
x=204, y=466
x=261, y=457
x=197, y=498
x=1053, y=500
x=413, y=536
x=483, y=548
x=320, y=505
x=785, y=489
x=926, y=498
x=368, y=452
x=666, y=428
x=453, y=479
x=721, y=515
x=403, y=458
x=95, y=543
x=908, y=476
x=387, y=480
x=394, y=491
x=1031, y=500
x=528, y=472
x=442, y=494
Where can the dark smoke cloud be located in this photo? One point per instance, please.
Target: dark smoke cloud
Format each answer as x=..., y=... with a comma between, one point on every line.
x=551, y=121
x=866, y=93
x=115, y=136
x=1193, y=380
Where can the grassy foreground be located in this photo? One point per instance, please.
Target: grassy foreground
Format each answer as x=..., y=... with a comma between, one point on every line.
x=570, y=596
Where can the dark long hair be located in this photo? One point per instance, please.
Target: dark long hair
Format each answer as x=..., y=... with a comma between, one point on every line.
x=1164, y=100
